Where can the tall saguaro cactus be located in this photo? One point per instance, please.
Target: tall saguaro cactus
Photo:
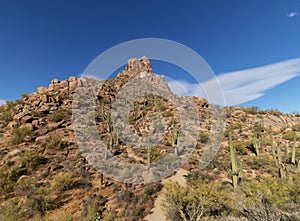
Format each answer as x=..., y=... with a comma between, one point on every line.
x=175, y=140
x=277, y=156
x=149, y=150
x=294, y=149
x=235, y=171
x=256, y=144
x=274, y=154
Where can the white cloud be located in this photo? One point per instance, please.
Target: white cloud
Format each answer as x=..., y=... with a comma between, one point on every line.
x=292, y=14
x=241, y=86
x=2, y=102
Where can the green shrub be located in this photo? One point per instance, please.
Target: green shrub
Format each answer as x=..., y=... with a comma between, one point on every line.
x=195, y=202
x=91, y=213
x=241, y=148
x=60, y=114
x=167, y=113
x=270, y=189
x=57, y=143
x=63, y=181
x=10, y=212
x=39, y=201
x=31, y=160
x=6, y=115
x=8, y=177
x=66, y=216
x=258, y=128
x=161, y=106
x=236, y=125
x=251, y=110
x=289, y=136
x=296, y=127
x=24, y=96
x=36, y=113
x=259, y=163
x=203, y=137
x=19, y=133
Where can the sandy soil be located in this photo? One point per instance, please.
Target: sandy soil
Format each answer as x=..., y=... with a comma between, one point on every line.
x=157, y=212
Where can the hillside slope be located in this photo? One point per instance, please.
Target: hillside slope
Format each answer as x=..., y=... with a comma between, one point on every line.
x=44, y=175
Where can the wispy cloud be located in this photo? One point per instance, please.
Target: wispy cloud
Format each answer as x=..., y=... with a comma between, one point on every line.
x=292, y=14
x=2, y=102
x=240, y=86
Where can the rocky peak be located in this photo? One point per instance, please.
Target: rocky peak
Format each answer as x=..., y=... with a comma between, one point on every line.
x=135, y=67
x=139, y=65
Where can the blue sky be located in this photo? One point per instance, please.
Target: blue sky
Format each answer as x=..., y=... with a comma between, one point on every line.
x=42, y=40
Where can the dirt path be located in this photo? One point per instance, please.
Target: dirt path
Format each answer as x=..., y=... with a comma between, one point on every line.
x=158, y=213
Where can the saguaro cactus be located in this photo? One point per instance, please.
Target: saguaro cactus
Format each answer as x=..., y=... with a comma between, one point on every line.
x=149, y=149
x=175, y=140
x=256, y=144
x=277, y=156
x=235, y=171
x=294, y=149
x=273, y=146
x=101, y=179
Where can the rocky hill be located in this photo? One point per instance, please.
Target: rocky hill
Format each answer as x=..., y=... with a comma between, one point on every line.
x=45, y=175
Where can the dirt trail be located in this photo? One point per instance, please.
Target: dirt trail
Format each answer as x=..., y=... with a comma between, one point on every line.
x=158, y=213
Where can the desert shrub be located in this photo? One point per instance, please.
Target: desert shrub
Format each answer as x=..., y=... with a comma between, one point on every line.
x=271, y=189
x=63, y=181
x=57, y=143
x=195, y=202
x=6, y=113
x=296, y=128
x=251, y=110
x=265, y=141
x=131, y=119
x=66, y=216
x=36, y=113
x=193, y=176
x=289, y=136
x=90, y=213
x=203, y=137
x=39, y=201
x=275, y=112
x=19, y=133
x=125, y=195
x=220, y=161
x=11, y=211
x=236, y=125
x=60, y=114
x=24, y=96
x=161, y=106
x=31, y=160
x=269, y=198
x=167, y=113
x=260, y=163
x=110, y=216
x=258, y=128
x=241, y=148
x=8, y=177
